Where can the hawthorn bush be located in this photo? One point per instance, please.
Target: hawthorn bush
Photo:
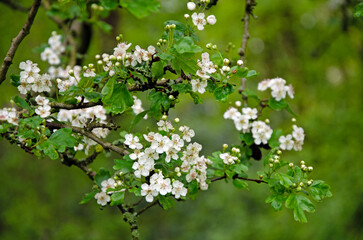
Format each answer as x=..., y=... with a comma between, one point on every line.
x=68, y=111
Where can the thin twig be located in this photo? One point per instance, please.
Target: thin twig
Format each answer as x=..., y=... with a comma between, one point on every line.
x=106, y=145
x=68, y=161
x=15, y=5
x=250, y=4
x=8, y=60
x=147, y=207
x=237, y=177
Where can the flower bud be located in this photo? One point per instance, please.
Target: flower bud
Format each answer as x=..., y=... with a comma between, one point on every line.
x=214, y=47
x=85, y=68
x=176, y=120
x=271, y=160
x=310, y=182
x=191, y=6
x=158, y=44
x=298, y=189
x=119, y=58
x=260, y=176
x=94, y=6
x=239, y=62
x=173, y=26
x=186, y=16
x=117, y=64
x=238, y=103
x=178, y=174
x=301, y=184
x=291, y=165
x=71, y=72
x=209, y=45
x=97, y=56
x=294, y=185
x=225, y=146
x=302, y=162
x=171, y=97
x=164, y=117
x=177, y=169
x=277, y=161
x=267, y=121
x=118, y=39
x=270, y=165
x=310, y=168
x=293, y=119
x=226, y=61
x=279, y=152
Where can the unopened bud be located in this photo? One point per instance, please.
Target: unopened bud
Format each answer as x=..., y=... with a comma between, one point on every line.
x=238, y=103
x=209, y=45
x=176, y=120
x=270, y=165
x=186, y=16
x=225, y=146
x=177, y=169
x=178, y=174
x=118, y=39
x=298, y=189
x=302, y=162
x=267, y=121
x=310, y=169
x=226, y=61
x=117, y=64
x=214, y=47
x=277, y=161
x=293, y=119
x=71, y=72
x=291, y=165
x=164, y=117
x=279, y=152
x=85, y=68
x=97, y=56
x=171, y=97
x=239, y=62
x=99, y=62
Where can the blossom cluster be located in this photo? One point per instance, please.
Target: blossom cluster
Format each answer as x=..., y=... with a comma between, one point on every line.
x=10, y=115
x=106, y=185
x=53, y=52
x=294, y=140
x=199, y=19
x=246, y=121
x=278, y=88
x=172, y=149
x=31, y=80
x=43, y=109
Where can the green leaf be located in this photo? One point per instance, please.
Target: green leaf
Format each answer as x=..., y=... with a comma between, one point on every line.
x=87, y=197
x=157, y=69
x=117, y=97
x=124, y=165
x=182, y=87
x=187, y=45
x=300, y=204
x=179, y=31
x=239, y=168
x=285, y=179
x=138, y=118
x=63, y=138
x=140, y=8
x=101, y=176
x=239, y=183
x=104, y=26
x=276, y=201
x=251, y=73
x=247, y=138
x=319, y=190
x=217, y=161
x=32, y=122
x=251, y=94
x=166, y=202
x=221, y=93
x=49, y=149
x=109, y=4
x=160, y=102
x=93, y=96
x=117, y=198
x=22, y=103
x=184, y=63
x=15, y=80
x=277, y=105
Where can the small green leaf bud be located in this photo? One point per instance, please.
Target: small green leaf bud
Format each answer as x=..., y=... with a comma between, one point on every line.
x=118, y=38
x=164, y=117
x=294, y=185
x=176, y=120
x=298, y=189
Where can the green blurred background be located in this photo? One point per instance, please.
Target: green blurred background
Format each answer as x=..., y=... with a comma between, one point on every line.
x=301, y=41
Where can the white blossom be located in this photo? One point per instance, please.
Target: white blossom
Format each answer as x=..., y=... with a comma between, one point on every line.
x=102, y=198
x=286, y=143
x=179, y=189
x=211, y=19
x=199, y=86
x=199, y=20
x=149, y=192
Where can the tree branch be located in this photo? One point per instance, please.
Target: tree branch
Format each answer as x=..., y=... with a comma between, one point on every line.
x=15, y=5
x=250, y=4
x=147, y=207
x=17, y=40
x=237, y=177
x=104, y=144
x=80, y=164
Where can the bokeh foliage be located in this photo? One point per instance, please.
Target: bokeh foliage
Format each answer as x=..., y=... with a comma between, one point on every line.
x=315, y=45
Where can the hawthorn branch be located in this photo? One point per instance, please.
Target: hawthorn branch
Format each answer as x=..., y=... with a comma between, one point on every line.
x=8, y=60
x=249, y=6
x=147, y=207
x=15, y=5
x=106, y=145
x=68, y=161
x=237, y=177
